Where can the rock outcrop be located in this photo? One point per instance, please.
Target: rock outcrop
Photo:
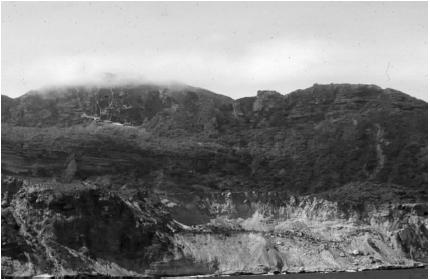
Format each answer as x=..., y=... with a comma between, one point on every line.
x=67, y=229
x=153, y=180
x=319, y=225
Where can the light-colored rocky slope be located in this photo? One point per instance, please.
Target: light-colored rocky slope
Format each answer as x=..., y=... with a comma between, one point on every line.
x=302, y=232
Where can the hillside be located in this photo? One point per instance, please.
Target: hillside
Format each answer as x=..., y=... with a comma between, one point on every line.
x=275, y=173
x=307, y=141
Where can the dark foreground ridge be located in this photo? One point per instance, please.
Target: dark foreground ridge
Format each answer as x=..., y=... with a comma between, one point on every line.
x=169, y=180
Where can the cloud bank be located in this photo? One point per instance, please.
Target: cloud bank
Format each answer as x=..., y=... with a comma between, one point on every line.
x=275, y=64
x=233, y=49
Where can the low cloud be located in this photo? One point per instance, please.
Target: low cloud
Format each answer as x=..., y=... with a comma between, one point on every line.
x=282, y=65
x=261, y=62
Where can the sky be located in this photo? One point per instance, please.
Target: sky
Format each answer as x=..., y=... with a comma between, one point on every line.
x=231, y=48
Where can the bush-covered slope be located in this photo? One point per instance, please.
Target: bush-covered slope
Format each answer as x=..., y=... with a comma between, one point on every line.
x=308, y=141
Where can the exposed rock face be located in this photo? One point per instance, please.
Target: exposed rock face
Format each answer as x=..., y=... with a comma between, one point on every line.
x=267, y=100
x=169, y=179
x=65, y=229
x=310, y=221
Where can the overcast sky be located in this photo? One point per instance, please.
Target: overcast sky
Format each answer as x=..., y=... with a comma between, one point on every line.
x=232, y=48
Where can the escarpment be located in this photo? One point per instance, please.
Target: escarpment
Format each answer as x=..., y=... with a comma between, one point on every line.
x=152, y=180
x=67, y=229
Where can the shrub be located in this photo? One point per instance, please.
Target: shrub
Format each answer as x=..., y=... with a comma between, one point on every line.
x=70, y=171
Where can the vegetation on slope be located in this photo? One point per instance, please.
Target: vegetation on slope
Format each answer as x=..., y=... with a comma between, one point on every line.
x=307, y=142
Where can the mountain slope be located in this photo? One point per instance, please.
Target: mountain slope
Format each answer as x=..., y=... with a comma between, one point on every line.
x=272, y=179
x=312, y=140
x=134, y=104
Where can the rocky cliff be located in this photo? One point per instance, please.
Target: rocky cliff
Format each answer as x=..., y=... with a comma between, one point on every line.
x=69, y=229
x=175, y=180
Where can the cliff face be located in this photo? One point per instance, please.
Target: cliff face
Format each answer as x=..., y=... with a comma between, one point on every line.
x=72, y=228
x=67, y=229
x=308, y=231
x=170, y=179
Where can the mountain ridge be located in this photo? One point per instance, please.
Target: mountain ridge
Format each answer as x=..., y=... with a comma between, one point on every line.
x=177, y=84
x=370, y=124
x=139, y=104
